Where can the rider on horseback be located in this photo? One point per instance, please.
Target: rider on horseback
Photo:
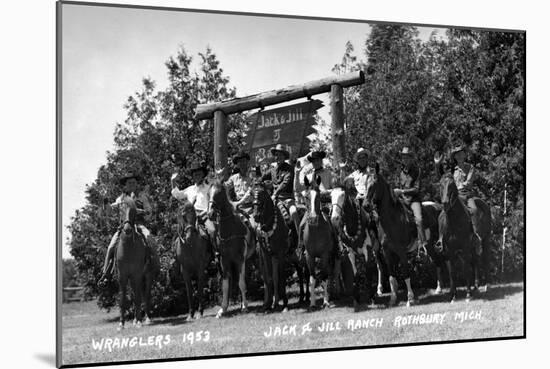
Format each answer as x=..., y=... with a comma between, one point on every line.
x=359, y=176
x=464, y=176
x=282, y=179
x=325, y=187
x=409, y=181
x=129, y=188
x=239, y=186
x=198, y=195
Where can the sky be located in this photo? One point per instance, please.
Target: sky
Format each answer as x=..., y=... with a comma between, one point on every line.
x=107, y=51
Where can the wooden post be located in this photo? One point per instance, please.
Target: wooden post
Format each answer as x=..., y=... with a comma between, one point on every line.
x=264, y=99
x=337, y=124
x=220, y=140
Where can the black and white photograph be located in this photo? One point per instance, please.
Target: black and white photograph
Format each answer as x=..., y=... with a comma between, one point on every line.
x=234, y=183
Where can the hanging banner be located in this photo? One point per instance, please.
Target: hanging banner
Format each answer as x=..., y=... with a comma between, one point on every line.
x=289, y=126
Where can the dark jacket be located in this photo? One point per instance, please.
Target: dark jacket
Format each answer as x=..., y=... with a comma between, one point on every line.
x=409, y=180
x=282, y=178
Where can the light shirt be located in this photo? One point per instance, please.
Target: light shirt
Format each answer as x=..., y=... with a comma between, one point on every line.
x=327, y=182
x=242, y=186
x=194, y=194
x=464, y=178
x=122, y=204
x=360, y=181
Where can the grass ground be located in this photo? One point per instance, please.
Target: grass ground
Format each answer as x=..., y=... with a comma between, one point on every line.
x=496, y=313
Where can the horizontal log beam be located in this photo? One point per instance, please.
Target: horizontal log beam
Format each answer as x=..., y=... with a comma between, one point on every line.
x=206, y=111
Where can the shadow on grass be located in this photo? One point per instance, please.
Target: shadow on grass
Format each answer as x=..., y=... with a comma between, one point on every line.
x=493, y=293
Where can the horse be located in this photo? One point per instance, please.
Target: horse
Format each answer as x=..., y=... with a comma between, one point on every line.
x=355, y=231
x=456, y=234
x=398, y=232
x=130, y=262
x=482, y=224
x=193, y=253
x=273, y=245
x=319, y=241
x=234, y=243
x=151, y=270
x=481, y=220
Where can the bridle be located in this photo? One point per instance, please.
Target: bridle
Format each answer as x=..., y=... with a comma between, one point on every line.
x=265, y=234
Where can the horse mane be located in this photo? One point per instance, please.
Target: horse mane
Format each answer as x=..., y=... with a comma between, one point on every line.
x=394, y=200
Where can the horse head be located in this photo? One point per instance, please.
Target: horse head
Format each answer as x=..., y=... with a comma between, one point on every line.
x=448, y=191
x=218, y=199
x=313, y=194
x=375, y=183
x=130, y=215
x=187, y=219
x=337, y=198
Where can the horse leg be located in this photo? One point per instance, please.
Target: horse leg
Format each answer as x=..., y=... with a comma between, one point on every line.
x=355, y=292
x=137, y=286
x=242, y=287
x=379, y=287
x=282, y=282
x=438, y=289
x=468, y=259
x=148, y=282
x=265, y=266
x=405, y=270
x=452, y=285
x=200, y=285
x=123, y=283
x=226, y=269
x=337, y=273
x=410, y=293
x=482, y=265
x=311, y=267
x=306, y=274
x=189, y=290
x=300, y=274
x=325, y=277
x=393, y=289
x=390, y=264
x=275, y=279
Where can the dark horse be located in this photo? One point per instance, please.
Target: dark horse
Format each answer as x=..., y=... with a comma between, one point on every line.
x=482, y=225
x=319, y=241
x=193, y=252
x=234, y=242
x=398, y=231
x=355, y=230
x=273, y=242
x=130, y=261
x=456, y=234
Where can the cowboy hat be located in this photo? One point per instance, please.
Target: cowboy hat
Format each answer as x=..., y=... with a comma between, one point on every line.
x=360, y=151
x=316, y=155
x=198, y=165
x=128, y=176
x=455, y=150
x=406, y=151
x=240, y=155
x=280, y=148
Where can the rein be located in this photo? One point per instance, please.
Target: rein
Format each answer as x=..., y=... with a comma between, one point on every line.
x=355, y=237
